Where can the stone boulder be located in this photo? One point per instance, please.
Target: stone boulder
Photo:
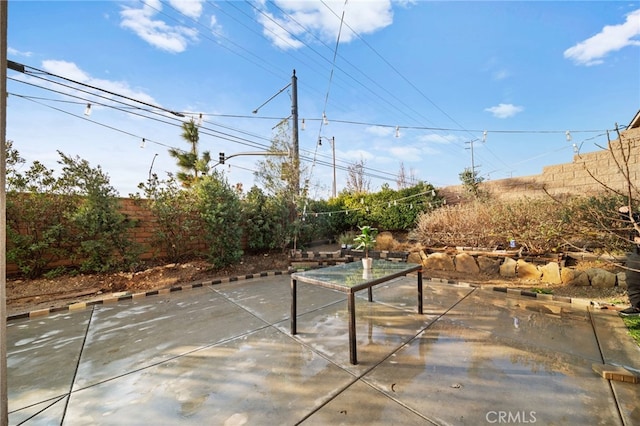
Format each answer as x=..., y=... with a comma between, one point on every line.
x=527, y=271
x=622, y=279
x=439, y=262
x=508, y=268
x=572, y=277
x=466, y=263
x=601, y=278
x=551, y=273
x=488, y=265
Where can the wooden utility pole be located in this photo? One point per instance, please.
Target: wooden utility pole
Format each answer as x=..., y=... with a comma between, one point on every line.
x=294, y=138
x=4, y=401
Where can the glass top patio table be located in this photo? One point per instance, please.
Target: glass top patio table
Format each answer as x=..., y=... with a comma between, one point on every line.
x=349, y=278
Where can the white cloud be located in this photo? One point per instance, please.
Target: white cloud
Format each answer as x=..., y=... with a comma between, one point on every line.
x=501, y=74
x=216, y=28
x=276, y=30
x=610, y=39
x=436, y=138
x=73, y=72
x=407, y=153
x=323, y=20
x=380, y=131
x=191, y=8
x=15, y=52
x=356, y=155
x=498, y=71
x=171, y=38
x=405, y=3
x=504, y=110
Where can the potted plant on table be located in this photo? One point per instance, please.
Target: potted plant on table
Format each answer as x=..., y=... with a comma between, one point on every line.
x=366, y=240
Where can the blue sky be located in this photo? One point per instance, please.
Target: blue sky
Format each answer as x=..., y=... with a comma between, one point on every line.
x=406, y=83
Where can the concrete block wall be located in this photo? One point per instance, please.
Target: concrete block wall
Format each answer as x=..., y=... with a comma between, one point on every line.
x=585, y=175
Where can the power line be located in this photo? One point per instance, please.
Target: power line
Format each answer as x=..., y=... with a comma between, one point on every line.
x=94, y=92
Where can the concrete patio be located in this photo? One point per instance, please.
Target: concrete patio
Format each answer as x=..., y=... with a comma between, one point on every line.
x=223, y=355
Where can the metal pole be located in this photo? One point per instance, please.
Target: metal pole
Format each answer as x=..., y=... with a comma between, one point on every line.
x=333, y=146
x=473, y=165
x=294, y=118
x=4, y=402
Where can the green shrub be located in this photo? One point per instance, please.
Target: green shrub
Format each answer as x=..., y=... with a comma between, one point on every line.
x=37, y=216
x=74, y=217
x=178, y=227
x=219, y=209
x=387, y=209
x=38, y=230
x=265, y=221
x=101, y=232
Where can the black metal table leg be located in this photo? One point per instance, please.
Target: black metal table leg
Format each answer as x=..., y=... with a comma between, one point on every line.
x=294, y=309
x=420, y=291
x=352, y=328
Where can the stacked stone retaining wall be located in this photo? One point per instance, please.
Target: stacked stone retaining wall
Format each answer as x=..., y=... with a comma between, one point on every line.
x=547, y=272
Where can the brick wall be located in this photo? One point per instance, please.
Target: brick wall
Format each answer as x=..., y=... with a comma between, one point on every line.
x=578, y=177
x=143, y=233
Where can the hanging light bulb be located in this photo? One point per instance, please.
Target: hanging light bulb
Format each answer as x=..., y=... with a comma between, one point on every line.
x=575, y=148
x=200, y=120
x=302, y=125
x=87, y=110
x=484, y=136
x=568, y=136
x=397, y=131
x=324, y=119
x=143, y=143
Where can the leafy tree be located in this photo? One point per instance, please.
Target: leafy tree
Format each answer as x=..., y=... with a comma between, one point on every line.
x=219, y=208
x=192, y=165
x=101, y=231
x=279, y=177
x=471, y=182
x=276, y=173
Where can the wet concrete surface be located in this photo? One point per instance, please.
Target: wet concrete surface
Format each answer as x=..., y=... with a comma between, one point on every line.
x=224, y=355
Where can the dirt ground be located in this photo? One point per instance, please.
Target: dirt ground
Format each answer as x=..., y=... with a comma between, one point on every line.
x=28, y=295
